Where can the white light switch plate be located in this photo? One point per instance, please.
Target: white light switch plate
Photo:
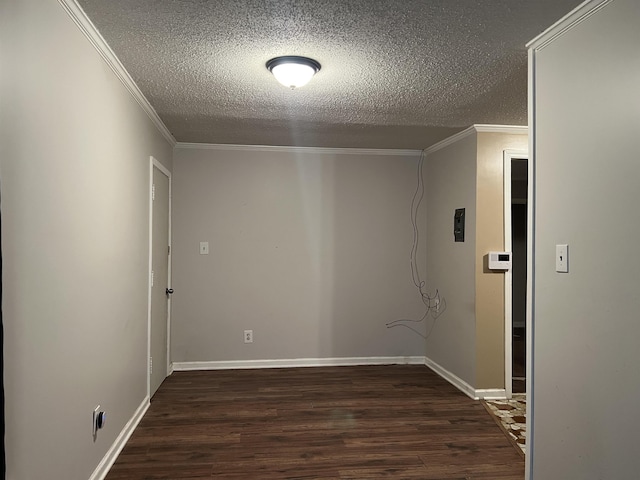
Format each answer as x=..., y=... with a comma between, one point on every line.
x=204, y=248
x=562, y=258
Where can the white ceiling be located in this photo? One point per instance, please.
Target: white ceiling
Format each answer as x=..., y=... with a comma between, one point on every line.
x=395, y=74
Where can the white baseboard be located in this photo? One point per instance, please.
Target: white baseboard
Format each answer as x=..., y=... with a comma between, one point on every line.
x=476, y=394
x=453, y=379
x=112, y=454
x=464, y=387
x=491, y=393
x=296, y=362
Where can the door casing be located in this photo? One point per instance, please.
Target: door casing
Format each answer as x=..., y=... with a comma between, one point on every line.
x=154, y=163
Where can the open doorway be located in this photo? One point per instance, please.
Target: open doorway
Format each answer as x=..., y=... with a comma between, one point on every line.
x=516, y=241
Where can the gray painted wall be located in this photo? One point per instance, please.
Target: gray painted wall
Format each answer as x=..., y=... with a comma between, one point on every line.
x=309, y=250
x=467, y=339
x=586, y=329
x=450, y=184
x=74, y=169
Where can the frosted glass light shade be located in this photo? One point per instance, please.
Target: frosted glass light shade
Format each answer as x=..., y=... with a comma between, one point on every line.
x=293, y=72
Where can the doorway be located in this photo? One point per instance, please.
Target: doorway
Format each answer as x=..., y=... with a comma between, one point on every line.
x=516, y=170
x=160, y=275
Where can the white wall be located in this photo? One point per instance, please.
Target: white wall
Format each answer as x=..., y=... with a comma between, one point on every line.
x=467, y=171
x=74, y=166
x=309, y=249
x=586, y=377
x=451, y=183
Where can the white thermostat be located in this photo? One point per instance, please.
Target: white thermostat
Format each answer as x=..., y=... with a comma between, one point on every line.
x=499, y=260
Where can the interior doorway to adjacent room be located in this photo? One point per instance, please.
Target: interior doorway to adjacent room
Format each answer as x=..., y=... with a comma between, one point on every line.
x=517, y=239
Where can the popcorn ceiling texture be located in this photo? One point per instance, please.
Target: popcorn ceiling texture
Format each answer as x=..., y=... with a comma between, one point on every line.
x=395, y=74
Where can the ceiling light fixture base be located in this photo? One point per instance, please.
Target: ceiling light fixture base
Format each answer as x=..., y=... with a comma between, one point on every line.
x=293, y=71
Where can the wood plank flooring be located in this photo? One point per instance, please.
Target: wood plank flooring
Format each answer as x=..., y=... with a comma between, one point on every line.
x=366, y=422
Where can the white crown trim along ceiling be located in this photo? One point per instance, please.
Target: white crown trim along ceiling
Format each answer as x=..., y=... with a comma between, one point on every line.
x=566, y=23
x=512, y=129
x=294, y=149
x=89, y=30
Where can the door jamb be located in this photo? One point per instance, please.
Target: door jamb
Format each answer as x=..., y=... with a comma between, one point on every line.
x=155, y=163
x=509, y=155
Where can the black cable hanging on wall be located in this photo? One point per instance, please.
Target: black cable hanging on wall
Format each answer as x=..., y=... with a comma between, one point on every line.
x=434, y=304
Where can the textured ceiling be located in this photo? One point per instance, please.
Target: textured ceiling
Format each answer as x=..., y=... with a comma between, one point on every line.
x=395, y=74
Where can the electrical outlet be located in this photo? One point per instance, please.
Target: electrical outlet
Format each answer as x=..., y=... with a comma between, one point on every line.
x=150, y=365
x=96, y=422
x=248, y=336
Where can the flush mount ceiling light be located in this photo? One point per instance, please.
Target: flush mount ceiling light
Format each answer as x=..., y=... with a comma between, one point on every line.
x=292, y=71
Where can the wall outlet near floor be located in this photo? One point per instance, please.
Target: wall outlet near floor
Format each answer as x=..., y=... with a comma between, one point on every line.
x=248, y=336
x=99, y=418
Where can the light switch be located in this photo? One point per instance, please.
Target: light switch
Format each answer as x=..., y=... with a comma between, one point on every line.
x=562, y=258
x=204, y=248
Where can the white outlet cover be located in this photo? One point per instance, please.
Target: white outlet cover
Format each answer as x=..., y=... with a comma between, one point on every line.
x=248, y=336
x=204, y=248
x=94, y=427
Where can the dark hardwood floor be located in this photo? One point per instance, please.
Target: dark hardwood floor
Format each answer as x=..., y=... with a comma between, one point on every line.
x=391, y=422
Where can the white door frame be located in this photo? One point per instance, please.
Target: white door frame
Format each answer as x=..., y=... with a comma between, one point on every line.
x=509, y=155
x=531, y=248
x=155, y=163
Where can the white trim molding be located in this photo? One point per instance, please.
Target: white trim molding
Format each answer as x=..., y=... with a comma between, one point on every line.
x=296, y=362
x=531, y=107
x=89, y=30
x=508, y=156
x=475, y=394
x=509, y=129
x=566, y=23
x=112, y=454
x=293, y=149
x=154, y=163
x=464, y=387
x=452, y=378
x=456, y=137
x=491, y=394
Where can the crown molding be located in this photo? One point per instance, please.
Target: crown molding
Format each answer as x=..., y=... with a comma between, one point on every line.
x=509, y=129
x=566, y=23
x=450, y=140
x=89, y=30
x=292, y=149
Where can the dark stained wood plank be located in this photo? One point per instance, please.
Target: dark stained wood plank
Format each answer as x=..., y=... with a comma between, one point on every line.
x=367, y=422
